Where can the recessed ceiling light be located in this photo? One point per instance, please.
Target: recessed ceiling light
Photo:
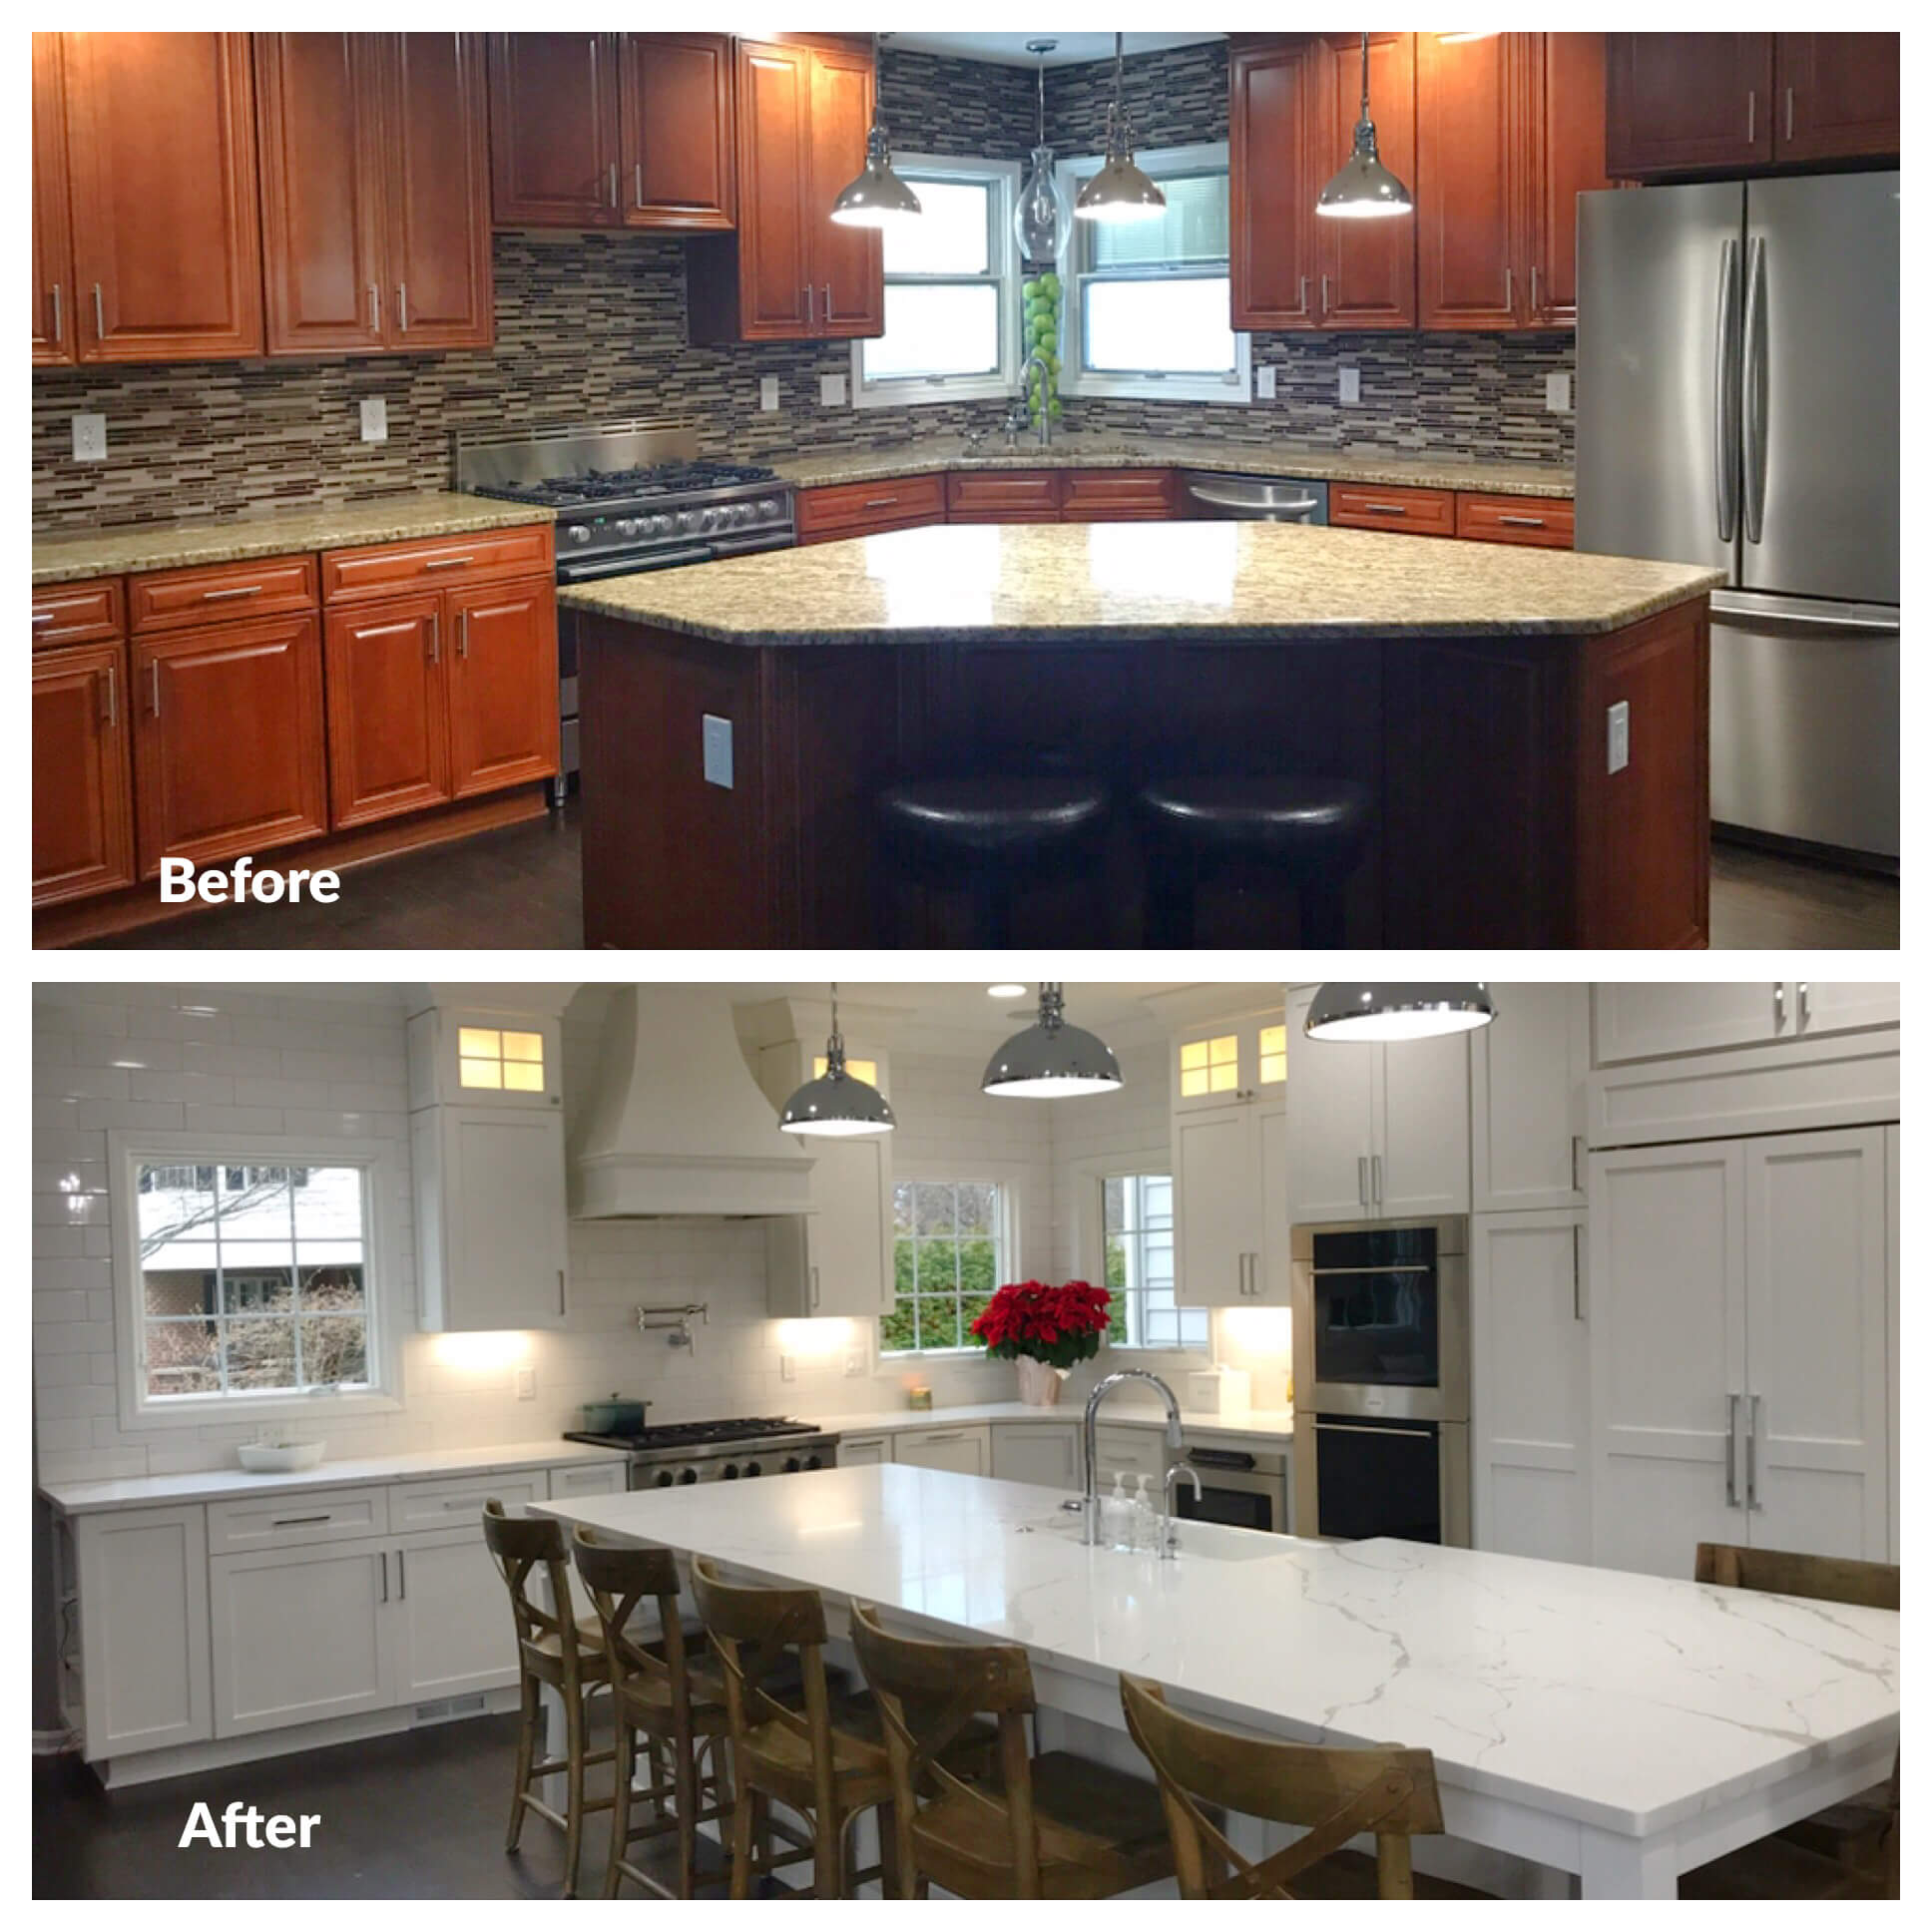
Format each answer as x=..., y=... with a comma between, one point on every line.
x=1006, y=990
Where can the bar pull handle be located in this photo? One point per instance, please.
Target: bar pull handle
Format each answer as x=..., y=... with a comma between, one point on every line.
x=1750, y=119
x=638, y=199
x=382, y=1564
x=1302, y=297
x=1375, y=1176
x=1520, y=523
x=113, y=717
x=1361, y=1179
x=1730, y=1452
x=375, y=309
x=153, y=684
x=402, y=307
x=1534, y=302
x=44, y=616
x=99, y=322
x=562, y=1294
x=1724, y=417
x=402, y=1577
x=880, y=502
x=1509, y=289
x=811, y=296
x=238, y=589
x=1754, y=402
x=1576, y=1164
x=59, y=330
x=1805, y=1004
x=1778, y=1005
x=446, y=563
x=462, y=633
x=1750, y=1459
x=302, y=1522
x=1325, y=294
x=1575, y=1273
x=829, y=304
x=1388, y=509
x=1788, y=112
x=814, y=1287
x=614, y=183
x=435, y=639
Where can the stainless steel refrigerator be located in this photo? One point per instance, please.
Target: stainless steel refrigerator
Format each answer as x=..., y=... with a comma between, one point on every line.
x=1737, y=372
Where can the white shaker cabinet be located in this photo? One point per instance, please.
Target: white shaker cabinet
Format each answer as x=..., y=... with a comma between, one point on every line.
x=1528, y=1075
x=1891, y=1327
x=1331, y=1121
x=1656, y=1020
x=453, y=1632
x=1046, y=1453
x=861, y=1452
x=968, y=1451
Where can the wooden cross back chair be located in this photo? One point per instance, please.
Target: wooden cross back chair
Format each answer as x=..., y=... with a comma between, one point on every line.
x=976, y=1812
x=553, y=1648
x=1336, y=1793
x=659, y=1689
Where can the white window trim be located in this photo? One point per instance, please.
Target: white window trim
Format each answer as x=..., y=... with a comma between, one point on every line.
x=1089, y=1242
x=1007, y=1178
x=900, y=391
x=1073, y=381
x=382, y=1279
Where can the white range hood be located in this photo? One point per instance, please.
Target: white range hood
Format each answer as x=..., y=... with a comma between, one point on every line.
x=675, y=1124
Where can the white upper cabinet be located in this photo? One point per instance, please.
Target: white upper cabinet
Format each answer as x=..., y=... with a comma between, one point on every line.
x=1230, y=1061
x=485, y=1057
x=1836, y=1006
x=1527, y=1072
x=1662, y=1019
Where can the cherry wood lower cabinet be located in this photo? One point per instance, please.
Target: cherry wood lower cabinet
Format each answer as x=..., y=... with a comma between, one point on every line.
x=1548, y=520
x=838, y=510
x=1003, y=496
x=83, y=788
x=1115, y=496
x=503, y=721
x=1413, y=513
x=389, y=748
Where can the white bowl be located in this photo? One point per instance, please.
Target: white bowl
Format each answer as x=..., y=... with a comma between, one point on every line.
x=263, y=1459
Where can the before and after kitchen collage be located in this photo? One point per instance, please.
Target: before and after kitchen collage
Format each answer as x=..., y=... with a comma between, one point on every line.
x=636, y=1291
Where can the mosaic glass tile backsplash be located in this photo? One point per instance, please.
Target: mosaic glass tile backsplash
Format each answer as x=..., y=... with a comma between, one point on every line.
x=591, y=331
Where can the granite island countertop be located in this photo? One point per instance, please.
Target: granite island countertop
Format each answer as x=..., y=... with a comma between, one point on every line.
x=1041, y=582
x=130, y=548
x=1386, y=468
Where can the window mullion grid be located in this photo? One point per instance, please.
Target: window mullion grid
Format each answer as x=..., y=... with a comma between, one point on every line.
x=294, y=1285
x=220, y=1296
x=959, y=1283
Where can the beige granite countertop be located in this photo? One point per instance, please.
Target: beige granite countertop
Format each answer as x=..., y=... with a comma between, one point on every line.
x=1387, y=469
x=130, y=548
x=1268, y=582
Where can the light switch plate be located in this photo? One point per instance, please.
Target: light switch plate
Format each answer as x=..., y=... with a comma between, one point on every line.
x=855, y=1362
x=1618, y=735
x=1264, y=382
x=90, y=439
x=831, y=392
x=787, y=1368
x=1556, y=391
x=718, y=751
x=767, y=392
x=526, y=1384
x=376, y=420
x=1351, y=386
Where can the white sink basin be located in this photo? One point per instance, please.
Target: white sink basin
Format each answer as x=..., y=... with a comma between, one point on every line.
x=1215, y=1542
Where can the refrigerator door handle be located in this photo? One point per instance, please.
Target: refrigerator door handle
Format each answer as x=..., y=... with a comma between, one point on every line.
x=1756, y=397
x=1724, y=421
x=1878, y=619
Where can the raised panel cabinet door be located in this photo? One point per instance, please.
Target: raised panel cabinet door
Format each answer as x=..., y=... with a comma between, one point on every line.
x=389, y=709
x=1564, y=149
x=1367, y=269
x=167, y=234
x=318, y=109
x=440, y=294
x=506, y=1264
x=227, y=741
x=1422, y=1131
x=1642, y=1020
x=966, y=1452
x=502, y=686
x=862, y=1452
x=300, y=1634
x=53, y=266
x=1216, y=1207
x=1667, y=1354
x=1467, y=186
x=1330, y=1121
x=453, y=1634
x=847, y=264
x=1530, y=1386
x=776, y=301
x=1844, y=1005
x=1042, y=1453
x=83, y=788
x=1892, y=1364
x=850, y=1232
x=1682, y=102
x=1837, y=95
x=1526, y=1074
x=674, y=107
x=1271, y=265
x=1271, y=1276
x=552, y=131
x=1816, y=1428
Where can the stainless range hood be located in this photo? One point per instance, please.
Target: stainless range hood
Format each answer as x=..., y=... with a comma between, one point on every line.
x=676, y=1125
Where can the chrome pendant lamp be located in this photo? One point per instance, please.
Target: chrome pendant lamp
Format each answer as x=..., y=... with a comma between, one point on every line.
x=837, y=1102
x=1041, y=220
x=1051, y=1060
x=1417, y=1010
x=875, y=197
x=1119, y=192
x=1362, y=188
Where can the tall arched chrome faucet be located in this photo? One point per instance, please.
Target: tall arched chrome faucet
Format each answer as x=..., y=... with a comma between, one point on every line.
x=1090, y=1502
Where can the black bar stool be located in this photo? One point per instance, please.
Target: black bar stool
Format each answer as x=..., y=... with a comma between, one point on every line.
x=1309, y=831
x=986, y=836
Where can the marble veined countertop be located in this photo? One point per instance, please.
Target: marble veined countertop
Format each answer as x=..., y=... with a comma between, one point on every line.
x=1265, y=582
x=1625, y=1701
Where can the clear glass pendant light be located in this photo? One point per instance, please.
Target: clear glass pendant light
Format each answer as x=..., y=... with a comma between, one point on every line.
x=1413, y=1011
x=1362, y=188
x=837, y=1102
x=875, y=197
x=1119, y=192
x=1051, y=1060
x=1041, y=220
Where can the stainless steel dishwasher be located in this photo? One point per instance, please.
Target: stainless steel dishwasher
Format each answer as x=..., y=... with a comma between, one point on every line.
x=1264, y=499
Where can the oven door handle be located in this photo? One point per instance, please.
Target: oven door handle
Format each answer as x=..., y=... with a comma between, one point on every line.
x=588, y=573
x=1375, y=1429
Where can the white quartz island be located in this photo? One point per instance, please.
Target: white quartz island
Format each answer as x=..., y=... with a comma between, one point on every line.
x=1614, y=1726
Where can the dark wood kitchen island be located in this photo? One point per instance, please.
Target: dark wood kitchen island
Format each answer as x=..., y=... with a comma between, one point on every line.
x=1471, y=687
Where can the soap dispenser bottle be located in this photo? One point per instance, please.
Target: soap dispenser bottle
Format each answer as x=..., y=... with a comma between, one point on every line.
x=1146, y=1532
x=1116, y=1516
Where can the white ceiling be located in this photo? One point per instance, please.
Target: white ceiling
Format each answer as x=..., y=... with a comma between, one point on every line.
x=1010, y=50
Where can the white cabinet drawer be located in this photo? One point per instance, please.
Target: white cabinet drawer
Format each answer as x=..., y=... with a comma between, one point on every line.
x=965, y=1451
x=589, y=1479
x=459, y=1505
x=863, y=1451
x=284, y=1521
x=1137, y=1452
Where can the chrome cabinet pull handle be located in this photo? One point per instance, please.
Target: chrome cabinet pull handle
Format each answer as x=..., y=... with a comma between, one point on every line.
x=1804, y=1003
x=1361, y=1179
x=1778, y=1005
x=1509, y=289
x=640, y=183
x=1388, y=509
x=814, y=1287
x=435, y=639
x=446, y=563
x=44, y=616
x=302, y=1522
x=1724, y=417
x=402, y=1577
x=100, y=325
x=1520, y=523
x=880, y=502
x=375, y=309
x=1534, y=305
x=562, y=1294
x=59, y=331
x=402, y=307
x=1325, y=294
x=1750, y=1459
x=112, y=718
x=1302, y=301
x=238, y=590
x=1788, y=112
x=462, y=633
x=1730, y=1452
x=382, y=1561
x=1375, y=1175
x=153, y=682
x=1575, y=1273
x=1750, y=119
x=614, y=183
x=811, y=297
x=829, y=304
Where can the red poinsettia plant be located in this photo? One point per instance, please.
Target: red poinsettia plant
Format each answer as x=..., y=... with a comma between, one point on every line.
x=1060, y=1326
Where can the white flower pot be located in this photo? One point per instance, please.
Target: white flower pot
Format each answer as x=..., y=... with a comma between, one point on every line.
x=1039, y=1382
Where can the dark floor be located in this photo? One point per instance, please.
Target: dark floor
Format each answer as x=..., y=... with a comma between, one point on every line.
x=521, y=887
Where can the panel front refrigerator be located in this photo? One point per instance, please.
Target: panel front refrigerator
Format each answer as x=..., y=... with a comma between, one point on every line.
x=1738, y=369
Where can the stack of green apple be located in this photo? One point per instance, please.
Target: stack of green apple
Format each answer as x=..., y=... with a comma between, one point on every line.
x=1042, y=297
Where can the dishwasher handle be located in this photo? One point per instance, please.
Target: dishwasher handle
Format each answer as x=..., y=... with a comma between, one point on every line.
x=1254, y=498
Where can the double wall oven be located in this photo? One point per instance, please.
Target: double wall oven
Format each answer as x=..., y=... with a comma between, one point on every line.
x=1381, y=1377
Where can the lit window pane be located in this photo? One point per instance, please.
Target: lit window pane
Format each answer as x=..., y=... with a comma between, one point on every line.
x=951, y=235
x=482, y=1072
x=1178, y=326
x=486, y=1043
x=1193, y=229
x=522, y=1045
x=523, y=1078
x=1275, y=1054
x=941, y=328
x=1193, y=1054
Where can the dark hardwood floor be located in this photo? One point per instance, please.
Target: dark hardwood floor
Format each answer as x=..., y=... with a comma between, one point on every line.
x=521, y=887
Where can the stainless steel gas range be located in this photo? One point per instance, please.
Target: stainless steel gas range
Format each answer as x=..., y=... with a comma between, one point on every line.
x=676, y=1453
x=627, y=500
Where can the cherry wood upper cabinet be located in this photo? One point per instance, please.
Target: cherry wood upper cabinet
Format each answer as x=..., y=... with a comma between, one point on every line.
x=82, y=786
x=1687, y=103
x=849, y=264
x=436, y=158
x=53, y=288
x=1366, y=269
x=161, y=177
x=675, y=123
x=554, y=130
x=1468, y=182
x=1272, y=270
x=1565, y=159
x=1837, y=95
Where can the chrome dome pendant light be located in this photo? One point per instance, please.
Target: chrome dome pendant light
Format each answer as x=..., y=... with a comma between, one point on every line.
x=1051, y=1060
x=1119, y=192
x=1362, y=188
x=875, y=197
x=1419, y=1010
x=1041, y=220
x=838, y=1102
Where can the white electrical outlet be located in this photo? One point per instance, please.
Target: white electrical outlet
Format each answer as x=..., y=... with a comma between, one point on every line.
x=1264, y=382
x=526, y=1384
x=1351, y=386
x=855, y=1362
x=90, y=439
x=831, y=392
x=1619, y=746
x=787, y=1368
x=718, y=751
x=376, y=420
x=767, y=392
x=1556, y=392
